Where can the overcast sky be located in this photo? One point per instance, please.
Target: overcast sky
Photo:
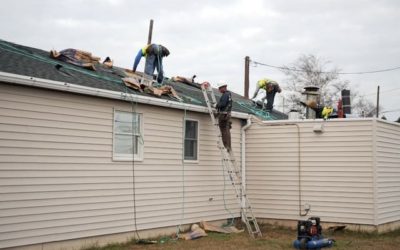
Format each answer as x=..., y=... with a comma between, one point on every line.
x=211, y=38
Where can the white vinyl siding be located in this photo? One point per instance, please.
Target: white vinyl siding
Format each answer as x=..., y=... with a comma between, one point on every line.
x=128, y=140
x=288, y=167
x=388, y=171
x=58, y=180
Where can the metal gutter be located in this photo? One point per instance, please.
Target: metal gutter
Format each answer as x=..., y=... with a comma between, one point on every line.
x=75, y=88
x=243, y=159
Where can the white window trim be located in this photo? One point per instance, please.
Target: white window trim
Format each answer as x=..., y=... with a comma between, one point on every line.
x=125, y=157
x=198, y=140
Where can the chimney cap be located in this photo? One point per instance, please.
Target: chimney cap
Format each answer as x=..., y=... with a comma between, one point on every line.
x=311, y=88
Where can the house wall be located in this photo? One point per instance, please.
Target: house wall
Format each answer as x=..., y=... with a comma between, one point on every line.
x=388, y=171
x=288, y=167
x=58, y=180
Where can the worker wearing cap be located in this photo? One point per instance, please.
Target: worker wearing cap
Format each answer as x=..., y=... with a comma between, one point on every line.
x=224, y=108
x=271, y=87
x=154, y=54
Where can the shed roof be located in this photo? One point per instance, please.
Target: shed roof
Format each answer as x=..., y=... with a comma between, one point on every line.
x=32, y=62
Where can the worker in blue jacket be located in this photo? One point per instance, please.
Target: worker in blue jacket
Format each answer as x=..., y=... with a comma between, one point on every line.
x=224, y=108
x=154, y=54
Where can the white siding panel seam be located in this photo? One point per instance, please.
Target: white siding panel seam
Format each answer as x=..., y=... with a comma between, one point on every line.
x=59, y=99
x=32, y=107
x=59, y=118
x=375, y=169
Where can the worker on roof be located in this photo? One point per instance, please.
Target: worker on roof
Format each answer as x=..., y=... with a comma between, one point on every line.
x=321, y=111
x=154, y=54
x=271, y=87
x=224, y=108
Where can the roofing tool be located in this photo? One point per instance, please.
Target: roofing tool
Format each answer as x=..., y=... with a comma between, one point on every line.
x=231, y=167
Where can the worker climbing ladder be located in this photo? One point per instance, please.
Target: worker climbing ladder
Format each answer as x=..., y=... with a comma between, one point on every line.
x=230, y=166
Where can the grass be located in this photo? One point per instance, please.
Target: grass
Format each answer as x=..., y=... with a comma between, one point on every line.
x=274, y=238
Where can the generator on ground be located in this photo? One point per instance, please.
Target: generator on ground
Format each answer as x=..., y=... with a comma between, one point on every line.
x=309, y=235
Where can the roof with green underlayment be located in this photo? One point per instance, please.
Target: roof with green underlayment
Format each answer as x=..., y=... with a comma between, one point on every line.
x=28, y=61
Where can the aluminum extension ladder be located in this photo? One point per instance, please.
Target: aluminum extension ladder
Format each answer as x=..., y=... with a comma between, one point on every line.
x=230, y=166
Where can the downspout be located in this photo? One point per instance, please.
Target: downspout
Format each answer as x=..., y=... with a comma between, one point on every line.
x=307, y=209
x=243, y=160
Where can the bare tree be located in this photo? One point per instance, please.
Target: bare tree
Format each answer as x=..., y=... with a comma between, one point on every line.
x=309, y=70
x=362, y=106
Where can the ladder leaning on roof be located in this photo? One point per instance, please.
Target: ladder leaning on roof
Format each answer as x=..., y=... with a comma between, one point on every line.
x=230, y=166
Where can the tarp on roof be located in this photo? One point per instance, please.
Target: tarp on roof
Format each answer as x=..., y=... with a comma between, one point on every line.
x=77, y=57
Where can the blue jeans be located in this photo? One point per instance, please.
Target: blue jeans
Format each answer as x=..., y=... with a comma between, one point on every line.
x=154, y=61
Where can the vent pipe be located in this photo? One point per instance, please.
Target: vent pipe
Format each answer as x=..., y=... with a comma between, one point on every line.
x=294, y=115
x=312, y=95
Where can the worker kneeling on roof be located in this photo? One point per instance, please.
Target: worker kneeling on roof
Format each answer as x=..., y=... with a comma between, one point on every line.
x=271, y=88
x=224, y=108
x=154, y=54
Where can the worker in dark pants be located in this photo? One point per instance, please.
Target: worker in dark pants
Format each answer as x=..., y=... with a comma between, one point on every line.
x=154, y=54
x=224, y=108
x=271, y=88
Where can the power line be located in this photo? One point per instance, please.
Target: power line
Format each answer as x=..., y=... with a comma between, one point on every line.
x=391, y=111
x=324, y=72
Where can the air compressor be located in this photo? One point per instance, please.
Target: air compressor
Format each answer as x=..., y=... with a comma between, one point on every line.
x=309, y=235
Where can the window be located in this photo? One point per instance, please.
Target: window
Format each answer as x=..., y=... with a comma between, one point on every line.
x=128, y=141
x=191, y=140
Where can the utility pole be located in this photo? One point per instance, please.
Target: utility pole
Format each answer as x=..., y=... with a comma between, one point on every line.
x=150, y=32
x=246, y=76
x=377, y=103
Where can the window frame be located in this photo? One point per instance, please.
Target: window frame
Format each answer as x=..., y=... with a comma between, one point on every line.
x=197, y=140
x=128, y=157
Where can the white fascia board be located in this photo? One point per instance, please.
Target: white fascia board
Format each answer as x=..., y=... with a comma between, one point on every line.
x=291, y=122
x=75, y=88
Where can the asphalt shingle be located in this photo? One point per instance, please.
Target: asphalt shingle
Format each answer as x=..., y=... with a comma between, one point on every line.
x=27, y=61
